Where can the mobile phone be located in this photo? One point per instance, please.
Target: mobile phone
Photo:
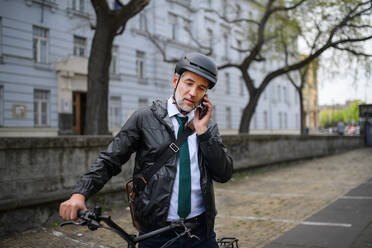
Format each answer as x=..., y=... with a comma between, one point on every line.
x=203, y=109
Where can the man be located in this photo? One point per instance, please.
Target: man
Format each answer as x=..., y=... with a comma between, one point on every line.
x=340, y=128
x=182, y=187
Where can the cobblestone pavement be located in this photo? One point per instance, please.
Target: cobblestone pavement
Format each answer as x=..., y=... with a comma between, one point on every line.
x=256, y=206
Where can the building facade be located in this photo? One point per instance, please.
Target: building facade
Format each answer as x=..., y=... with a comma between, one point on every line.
x=310, y=97
x=44, y=49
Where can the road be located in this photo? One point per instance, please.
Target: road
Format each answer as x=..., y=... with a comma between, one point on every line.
x=257, y=207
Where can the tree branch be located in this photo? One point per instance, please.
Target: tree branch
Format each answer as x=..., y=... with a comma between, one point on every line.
x=228, y=65
x=359, y=26
x=288, y=8
x=293, y=82
x=317, y=37
x=259, y=4
x=349, y=17
x=208, y=48
x=161, y=49
x=356, y=53
x=351, y=40
x=260, y=36
x=132, y=8
x=230, y=21
x=126, y=12
x=308, y=59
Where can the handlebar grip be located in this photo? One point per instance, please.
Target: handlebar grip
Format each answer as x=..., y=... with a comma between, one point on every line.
x=81, y=213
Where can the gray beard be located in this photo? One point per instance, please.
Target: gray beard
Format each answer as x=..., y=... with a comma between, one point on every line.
x=178, y=100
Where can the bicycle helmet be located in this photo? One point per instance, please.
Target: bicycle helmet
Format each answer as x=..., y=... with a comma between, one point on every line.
x=199, y=64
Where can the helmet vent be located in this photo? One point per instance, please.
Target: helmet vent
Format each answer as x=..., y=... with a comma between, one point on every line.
x=201, y=67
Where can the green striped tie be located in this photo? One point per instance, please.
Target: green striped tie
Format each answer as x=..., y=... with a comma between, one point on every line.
x=184, y=187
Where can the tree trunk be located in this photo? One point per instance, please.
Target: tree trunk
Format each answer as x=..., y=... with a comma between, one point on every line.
x=249, y=112
x=302, y=112
x=98, y=79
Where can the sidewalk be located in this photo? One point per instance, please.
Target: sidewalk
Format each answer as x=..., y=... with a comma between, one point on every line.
x=320, y=203
x=346, y=223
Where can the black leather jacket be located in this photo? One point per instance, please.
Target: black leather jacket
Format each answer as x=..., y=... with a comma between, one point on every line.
x=147, y=132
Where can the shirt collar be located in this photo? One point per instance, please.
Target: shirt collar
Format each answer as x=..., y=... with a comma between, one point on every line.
x=172, y=110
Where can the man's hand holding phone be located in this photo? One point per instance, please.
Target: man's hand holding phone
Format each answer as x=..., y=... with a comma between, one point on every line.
x=202, y=118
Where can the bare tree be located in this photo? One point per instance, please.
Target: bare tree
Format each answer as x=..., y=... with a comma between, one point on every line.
x=322, y=24
x=299, y=88
x=109, y=23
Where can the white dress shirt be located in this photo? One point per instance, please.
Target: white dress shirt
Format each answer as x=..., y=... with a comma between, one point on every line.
x=197, y=206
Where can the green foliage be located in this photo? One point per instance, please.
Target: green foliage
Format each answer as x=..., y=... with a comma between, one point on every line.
x=330, y=117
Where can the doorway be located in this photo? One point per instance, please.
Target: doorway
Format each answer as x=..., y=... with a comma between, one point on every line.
x=78, y=112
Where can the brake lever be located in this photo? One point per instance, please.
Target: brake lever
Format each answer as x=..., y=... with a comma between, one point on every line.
x=188, y=231
x=94, y=225
x=190, y=235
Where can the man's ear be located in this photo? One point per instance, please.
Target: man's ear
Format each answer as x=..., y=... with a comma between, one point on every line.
x=174, y=82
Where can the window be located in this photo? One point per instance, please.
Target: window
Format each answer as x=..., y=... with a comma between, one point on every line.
x=210, y=2
x=142, y=21
x=272, y=94
x=40, y=44
x=187, y=28
x=140, y=64
x=115, y=112
x=279, y=93
x=79, y=46
x=266, y=126
x=78, y=5
x=242, y=88
x=227, y=83
x=225, y=44
x=238, y=11
x=285, y=95
x=143, y=102
x=296, y=95
x=1, y=105
x=41, y=108
x=255, y=121
x=224, y=8
x=187, y=25
x=297, y=120
x=210, y=37
x=239, y=46
x=173, y=23
x=285, y=121
x=185, y=2
x=280, y=120
x=228, y=118
x=1, y=37
x=114, y=60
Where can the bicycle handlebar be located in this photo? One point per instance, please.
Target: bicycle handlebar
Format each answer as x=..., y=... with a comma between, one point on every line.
x=80, y=213
x=92, y=219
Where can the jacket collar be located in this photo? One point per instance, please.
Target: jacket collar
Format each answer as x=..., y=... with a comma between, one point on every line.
x=159, y=108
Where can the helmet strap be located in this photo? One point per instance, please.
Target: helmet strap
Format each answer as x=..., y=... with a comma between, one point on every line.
x=174, y=94
x=178, y=81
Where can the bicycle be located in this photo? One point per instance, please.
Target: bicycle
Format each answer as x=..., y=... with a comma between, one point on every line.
x=93, y=218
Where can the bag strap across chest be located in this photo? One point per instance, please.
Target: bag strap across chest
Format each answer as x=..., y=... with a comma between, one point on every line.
x=141, y=180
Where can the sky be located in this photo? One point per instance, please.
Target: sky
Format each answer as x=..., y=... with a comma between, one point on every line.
x=340, y=86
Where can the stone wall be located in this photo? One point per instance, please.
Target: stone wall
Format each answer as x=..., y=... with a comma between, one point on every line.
x=36, y=174
x=256, y=150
